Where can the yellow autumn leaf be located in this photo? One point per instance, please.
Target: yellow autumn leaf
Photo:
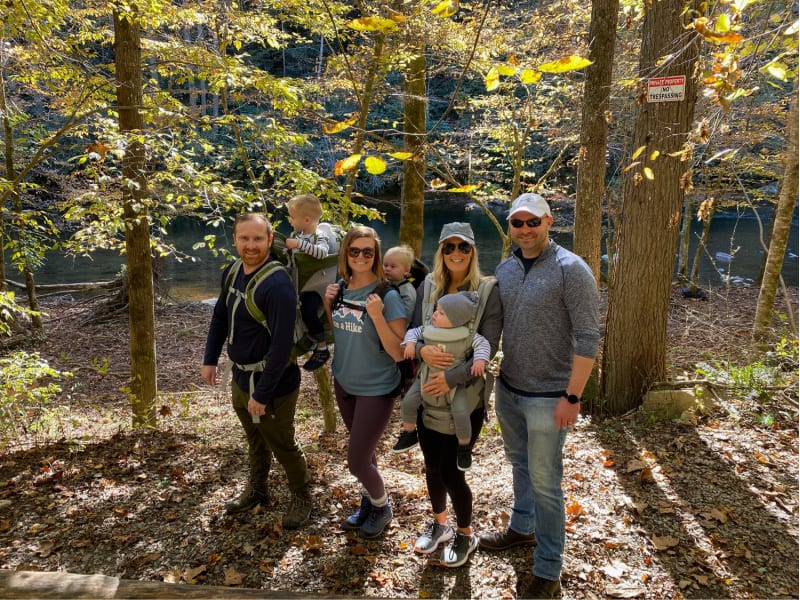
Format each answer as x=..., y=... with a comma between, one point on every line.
x=506, y=70
x=445, y=8
x=437, y=183
x=372, y=24
x=630, y=166
x=639, y=150
x=374, y=165
x=492, y=79
x=529, y=76
x=562, y=65
x=401, y=155
x=654, y=154
x=346, y=164
x=331, y=128
x=777, y=70
x=513, y=60
x=648, y=172
x=723, y=24
x=464, y=188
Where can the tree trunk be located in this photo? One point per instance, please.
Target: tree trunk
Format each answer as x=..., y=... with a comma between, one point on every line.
x=135, y=198
x=414, y=124
x=8, y=153
x=685, y=237
x=594, y=134
x=782, y=220
x=634, y=355
x=326, y=401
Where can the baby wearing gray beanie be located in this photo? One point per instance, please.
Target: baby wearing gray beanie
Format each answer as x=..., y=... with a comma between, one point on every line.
x=459, y=307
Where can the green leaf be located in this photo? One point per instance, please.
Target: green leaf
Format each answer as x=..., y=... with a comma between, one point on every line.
x=562, y=65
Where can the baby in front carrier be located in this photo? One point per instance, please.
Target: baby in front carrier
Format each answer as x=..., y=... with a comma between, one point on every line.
x=449, y=331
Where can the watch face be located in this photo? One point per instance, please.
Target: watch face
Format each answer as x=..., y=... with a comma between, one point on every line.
x=573, y=399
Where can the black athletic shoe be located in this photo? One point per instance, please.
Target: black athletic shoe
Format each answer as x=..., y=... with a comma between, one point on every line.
x=464, y=458
x=406, y=440
x=318, y=358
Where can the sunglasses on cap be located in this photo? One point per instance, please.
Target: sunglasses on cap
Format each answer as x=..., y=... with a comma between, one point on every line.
x=450, y=247
x=356, y=252
x=532, y=223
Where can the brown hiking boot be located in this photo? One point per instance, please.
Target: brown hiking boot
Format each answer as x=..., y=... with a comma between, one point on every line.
x=502, y=540
x=248, y=499
x=539, y=587
x=299, y=510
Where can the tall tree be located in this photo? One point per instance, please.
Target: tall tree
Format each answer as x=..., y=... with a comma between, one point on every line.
x=594, y=134
x=414, y=127
x=135, y=200
x=782, y=222
x=634, y=355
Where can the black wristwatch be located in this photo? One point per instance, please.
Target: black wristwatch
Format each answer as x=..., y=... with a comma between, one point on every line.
x=572, y=398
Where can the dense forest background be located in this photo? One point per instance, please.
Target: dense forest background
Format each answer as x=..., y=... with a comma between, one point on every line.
x=118, y=117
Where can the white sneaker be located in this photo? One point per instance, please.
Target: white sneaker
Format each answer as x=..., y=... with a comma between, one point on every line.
x=435, y=535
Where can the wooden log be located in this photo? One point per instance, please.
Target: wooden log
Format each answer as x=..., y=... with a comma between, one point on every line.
x=37, y=584
x=70, y=287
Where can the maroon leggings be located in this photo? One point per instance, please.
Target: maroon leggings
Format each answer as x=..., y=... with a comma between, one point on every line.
x=366, y=418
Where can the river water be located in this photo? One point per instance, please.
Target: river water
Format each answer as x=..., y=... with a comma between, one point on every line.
x=733, y=254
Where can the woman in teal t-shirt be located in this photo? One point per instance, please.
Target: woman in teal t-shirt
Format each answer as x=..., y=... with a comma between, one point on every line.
x=368, y=327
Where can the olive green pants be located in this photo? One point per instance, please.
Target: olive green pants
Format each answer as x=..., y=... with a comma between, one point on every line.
x=274, y=435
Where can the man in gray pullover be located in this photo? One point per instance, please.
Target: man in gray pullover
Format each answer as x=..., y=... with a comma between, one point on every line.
x=550, y=339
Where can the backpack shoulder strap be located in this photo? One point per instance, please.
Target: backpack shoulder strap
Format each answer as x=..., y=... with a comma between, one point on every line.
x=427, y=301
x=485, y=288
x=232, y=273
x=263, y=273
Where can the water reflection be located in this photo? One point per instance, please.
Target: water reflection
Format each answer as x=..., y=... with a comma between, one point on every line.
x=733, y=252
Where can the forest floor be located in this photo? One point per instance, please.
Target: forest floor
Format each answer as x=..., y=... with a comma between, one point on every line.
x=699, y=507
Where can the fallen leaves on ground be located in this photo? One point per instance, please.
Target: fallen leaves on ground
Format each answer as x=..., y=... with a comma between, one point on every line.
x=655, y=509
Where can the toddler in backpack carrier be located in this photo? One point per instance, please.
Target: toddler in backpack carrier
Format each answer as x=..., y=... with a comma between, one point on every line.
x=450, y=331
x=313, y=242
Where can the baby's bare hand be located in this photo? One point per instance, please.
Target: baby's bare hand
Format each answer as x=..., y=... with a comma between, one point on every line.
x=478, y=368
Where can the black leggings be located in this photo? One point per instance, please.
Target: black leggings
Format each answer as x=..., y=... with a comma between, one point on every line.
x=441, y=472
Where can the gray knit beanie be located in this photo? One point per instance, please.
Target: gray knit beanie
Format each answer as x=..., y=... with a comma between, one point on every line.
x=459, y=307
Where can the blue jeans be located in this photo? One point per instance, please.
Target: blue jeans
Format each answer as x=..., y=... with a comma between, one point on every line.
x=534, y=447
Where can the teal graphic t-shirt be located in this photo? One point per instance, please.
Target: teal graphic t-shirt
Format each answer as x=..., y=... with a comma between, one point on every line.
x=359, y=363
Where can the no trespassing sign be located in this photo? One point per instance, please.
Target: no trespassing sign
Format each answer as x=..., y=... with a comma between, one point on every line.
x=666, y=89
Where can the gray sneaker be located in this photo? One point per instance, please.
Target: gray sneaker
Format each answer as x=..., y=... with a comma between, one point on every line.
x=299, y=510
x=458, y=550
x=435, y=535
x=379, y=517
